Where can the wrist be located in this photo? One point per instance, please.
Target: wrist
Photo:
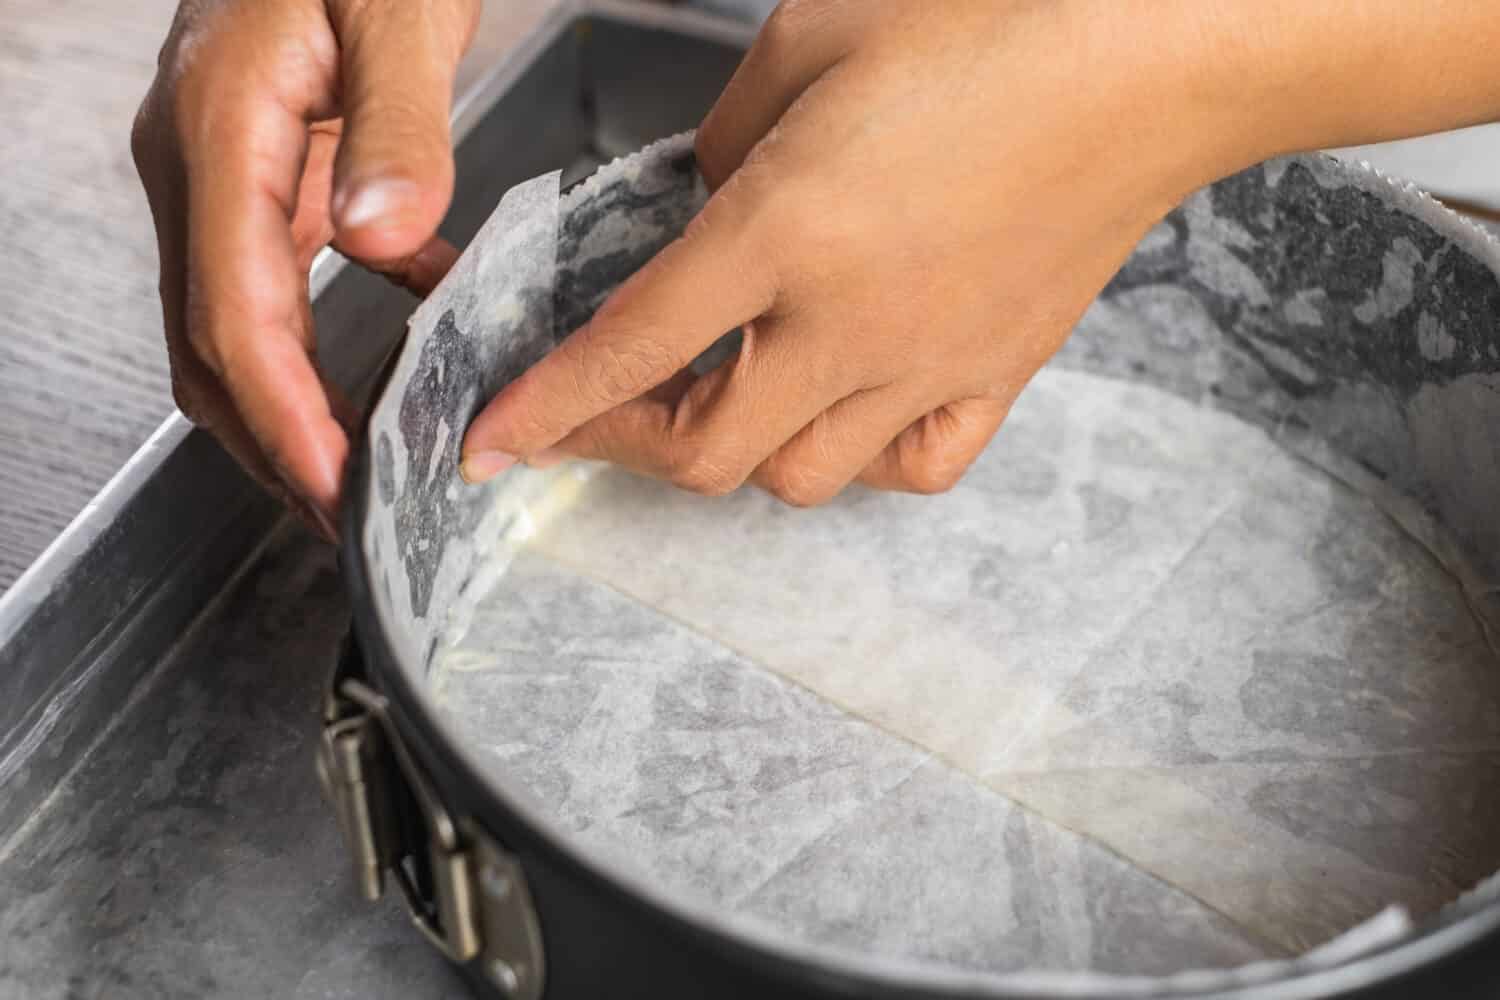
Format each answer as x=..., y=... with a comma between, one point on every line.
x=1170, y=92
x=1271, y=77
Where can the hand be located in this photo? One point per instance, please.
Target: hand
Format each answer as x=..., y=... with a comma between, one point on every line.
x=915, y=203
x=275, y=127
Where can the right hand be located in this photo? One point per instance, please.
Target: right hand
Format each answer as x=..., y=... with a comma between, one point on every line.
x=273, y=129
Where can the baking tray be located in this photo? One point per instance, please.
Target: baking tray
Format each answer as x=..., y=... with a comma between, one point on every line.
x=106, y=600
x=110, y=611
x=174, y=587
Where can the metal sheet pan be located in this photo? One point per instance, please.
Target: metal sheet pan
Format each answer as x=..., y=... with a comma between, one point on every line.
x=166, y=621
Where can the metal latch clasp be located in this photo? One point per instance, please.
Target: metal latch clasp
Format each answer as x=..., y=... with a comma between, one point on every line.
x=466, y=894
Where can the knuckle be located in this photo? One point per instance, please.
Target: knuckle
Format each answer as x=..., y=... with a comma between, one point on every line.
x=152, y=147
x=782, y=27
x=740, y=200
x=743, y=220
x=205, y=347
x=931, y=471
x=202, y=35
x=624, y=368
x=779, y=225
x=821, y=237
x=797, y=485
x=183, y=103
x=190, y=82
x=188, y=399
x=142, y=145
x=698, y=470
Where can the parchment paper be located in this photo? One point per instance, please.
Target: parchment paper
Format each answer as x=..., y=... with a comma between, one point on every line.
x=1137, y=619
x=1147, y=693
x=488, y=320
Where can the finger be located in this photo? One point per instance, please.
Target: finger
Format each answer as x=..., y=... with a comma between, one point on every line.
x=420, y=272
x=163, y=177
x=194, y=387
x=204, y=402
x=629, y=432
x=709, y=436
x=827, y=454
x=798, y=43
x=312, y=229
x=247, y=315
x=706, y=283
x=883, y=440
x=932, y=455
x=393, y=177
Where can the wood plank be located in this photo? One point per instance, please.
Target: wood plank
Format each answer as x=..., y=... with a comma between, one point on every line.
x=83, y=375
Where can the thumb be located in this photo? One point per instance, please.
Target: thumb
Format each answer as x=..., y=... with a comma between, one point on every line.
x=393, y=177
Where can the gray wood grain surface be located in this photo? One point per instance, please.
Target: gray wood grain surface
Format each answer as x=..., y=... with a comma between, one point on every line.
x=83, y=377
x=83, y=374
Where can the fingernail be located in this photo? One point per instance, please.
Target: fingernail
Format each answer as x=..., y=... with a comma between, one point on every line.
x=546, y=458
x=483, y=466
x=365, y=203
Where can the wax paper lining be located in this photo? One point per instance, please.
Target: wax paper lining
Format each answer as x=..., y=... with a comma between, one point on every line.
x=1348, y=318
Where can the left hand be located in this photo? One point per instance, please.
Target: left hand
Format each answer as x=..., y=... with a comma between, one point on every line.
x=273, y=128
